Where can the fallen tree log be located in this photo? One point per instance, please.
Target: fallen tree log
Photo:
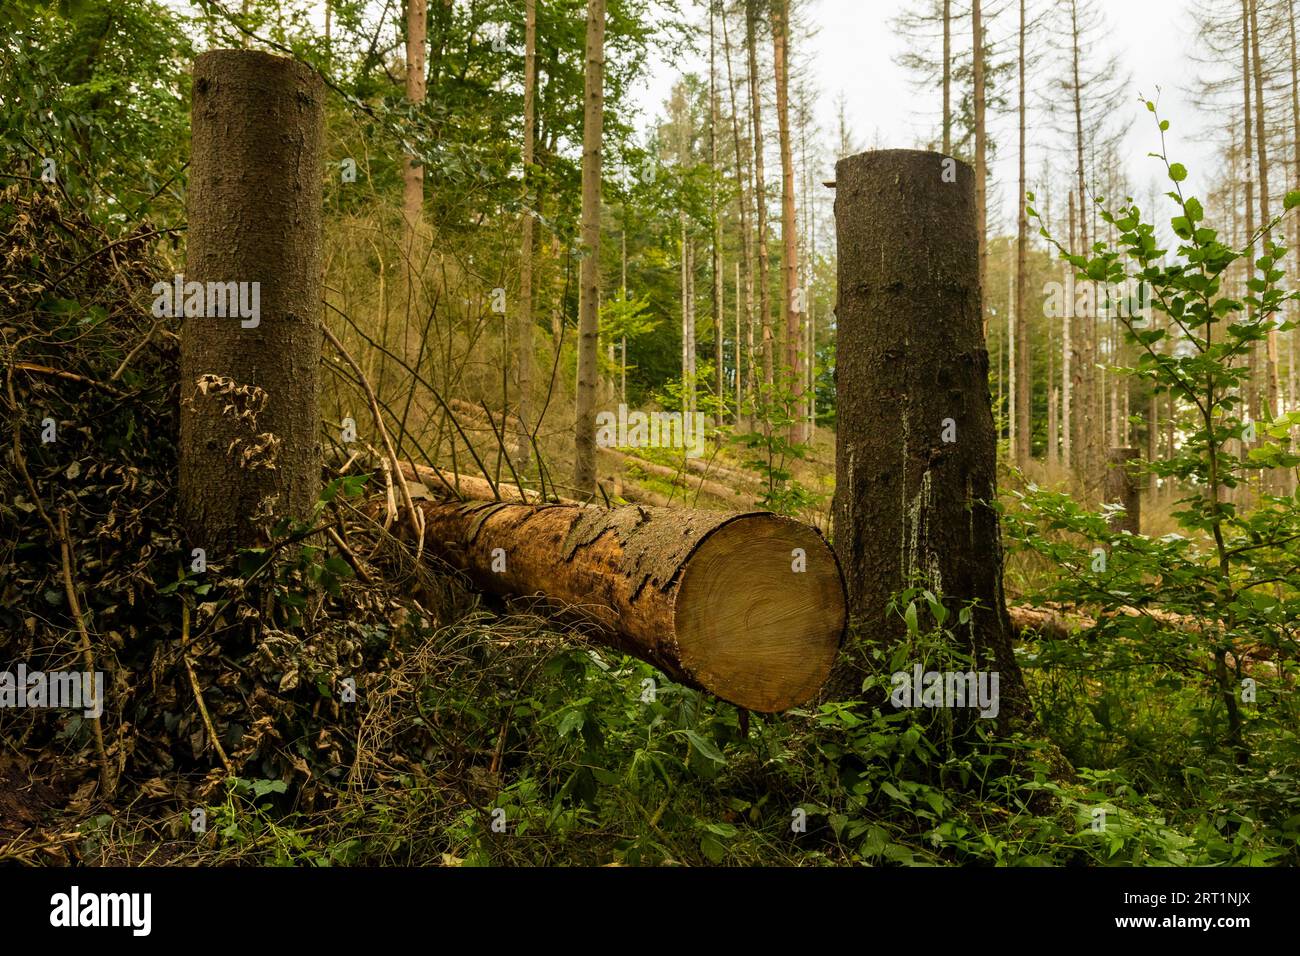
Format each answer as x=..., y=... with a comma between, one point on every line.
x=679, y=477
x=1047, y=622
x=644, y=496
x=1059, y=624
x=442, y=482
x=711, y=469
x=749, y=607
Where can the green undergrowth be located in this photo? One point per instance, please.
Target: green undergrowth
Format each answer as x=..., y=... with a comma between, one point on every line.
x=582, y=758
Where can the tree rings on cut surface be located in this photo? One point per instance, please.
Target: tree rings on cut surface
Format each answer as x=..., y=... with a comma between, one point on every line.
x=747, y=621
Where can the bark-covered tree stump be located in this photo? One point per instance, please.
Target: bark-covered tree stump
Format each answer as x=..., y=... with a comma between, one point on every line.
x=250, y=419
x=916, y=452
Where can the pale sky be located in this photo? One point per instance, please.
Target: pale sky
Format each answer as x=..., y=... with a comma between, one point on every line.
x=854, y=52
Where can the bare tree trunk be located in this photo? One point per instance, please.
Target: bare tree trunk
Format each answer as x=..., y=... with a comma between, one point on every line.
x=811, y=265
x=1012, y=438
x=1293, y=374
x=682, y=122
x=1117, y=431
x=412, y=172
x=1053, y=423
x=747, y=236
x=1086, y=450
x=584, y=471
x=718, y=366
x=808, y=260
x=1067, y=354
x=249, y=413
x=622, y=287
x=688, y=319
x=1153, y=412
x=1023, y=376
x=1236, y=278
x=1270, y=366
x=947, y=77
x=738, y=352
x=760, y=193
x=1153, y=441
x=981, y=145
x=1125, y=410
x=789, y=231
x=999, y=402
x=1252, y=383
x=524, y=331
x=1053, y=401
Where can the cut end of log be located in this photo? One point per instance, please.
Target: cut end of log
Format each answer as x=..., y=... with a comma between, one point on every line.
x=760, y=613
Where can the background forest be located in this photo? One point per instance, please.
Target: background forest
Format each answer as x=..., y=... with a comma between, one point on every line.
x=490, y=289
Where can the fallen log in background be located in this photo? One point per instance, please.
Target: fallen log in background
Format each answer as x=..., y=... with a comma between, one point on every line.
x=711, y=469
x=644, y=496
x=1047, y=622
x=441, y=482
x=1061, y=624
x=679, y=477
x=712, y=599
x=742, y=492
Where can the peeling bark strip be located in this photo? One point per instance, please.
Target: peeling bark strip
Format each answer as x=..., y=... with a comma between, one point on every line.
x=915, y=463
x=254, y=209
x=712, y=599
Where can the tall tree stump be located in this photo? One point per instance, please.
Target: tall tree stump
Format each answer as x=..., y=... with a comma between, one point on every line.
x=250, y=419
x=1122, y=489
x=915, y=462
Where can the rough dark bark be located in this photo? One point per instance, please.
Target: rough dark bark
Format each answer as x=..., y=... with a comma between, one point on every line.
x=1122, y=488
x=912, y=370
x=254, y=208
x=712, y=599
